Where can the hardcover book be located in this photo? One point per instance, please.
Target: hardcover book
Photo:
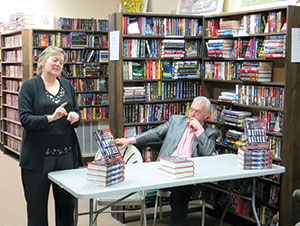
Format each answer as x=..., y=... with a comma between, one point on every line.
x=255, y=131
x=176, y=175
x=107, y=146
x=174, y=162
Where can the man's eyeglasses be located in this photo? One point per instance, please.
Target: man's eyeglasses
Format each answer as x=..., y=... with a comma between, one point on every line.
x=198, y=112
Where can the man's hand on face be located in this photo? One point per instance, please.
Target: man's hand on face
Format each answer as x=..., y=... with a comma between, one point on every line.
x=195, y=124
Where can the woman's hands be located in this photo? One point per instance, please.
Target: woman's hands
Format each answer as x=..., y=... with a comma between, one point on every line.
x=59, y=112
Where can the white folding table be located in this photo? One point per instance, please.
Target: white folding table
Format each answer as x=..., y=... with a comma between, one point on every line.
x=145, y=176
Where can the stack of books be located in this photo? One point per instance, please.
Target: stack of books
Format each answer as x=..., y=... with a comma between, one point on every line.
x=227, y=96
x=219, y=47
x=101, y=174
x=235, y=118
x=134, y=93
x=176, y=167
x=255, y=71
x=255, y=155
x=254, y=158
x=173, y=48
x=228, y=27
x=110, y=168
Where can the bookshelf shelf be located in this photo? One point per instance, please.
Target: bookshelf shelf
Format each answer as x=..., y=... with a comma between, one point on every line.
x=12, y=121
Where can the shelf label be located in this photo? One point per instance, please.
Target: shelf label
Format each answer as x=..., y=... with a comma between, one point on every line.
x=114, y=45
x=295, y=55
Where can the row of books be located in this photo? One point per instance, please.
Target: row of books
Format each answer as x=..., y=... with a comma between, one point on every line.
x=94, y=113
x=247, y=48
x=246, y=71
x=275, y=145
x=256, y=23
x=83, y=24
x=80, y=55
x=153, y=112
x=273, y=119
x=269, y=47
x=13, y=41
x=162, y=26
x=91, y=84
x=12, y=85
x=12, y=56
x=12, y=114
x=12, y=71
x=13, y=143
x=92, y=98
x=156, y=69
x=86, y=70
x=72, y=39
x=168, y=48
x=260, y=95
x=172, y=90
x=14, y=129
x=11, y=99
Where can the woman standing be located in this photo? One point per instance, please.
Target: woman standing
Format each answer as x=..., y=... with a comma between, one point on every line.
x=49, y=113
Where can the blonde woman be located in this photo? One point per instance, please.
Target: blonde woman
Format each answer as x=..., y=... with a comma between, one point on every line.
x=49, y=113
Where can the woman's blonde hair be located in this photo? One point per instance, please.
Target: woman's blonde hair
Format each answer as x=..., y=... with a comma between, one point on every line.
x=48, y=52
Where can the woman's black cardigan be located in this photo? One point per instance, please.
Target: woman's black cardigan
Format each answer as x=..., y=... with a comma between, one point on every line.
x=35, y=123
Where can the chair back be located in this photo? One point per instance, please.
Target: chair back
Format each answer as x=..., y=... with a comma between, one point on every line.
x=131, y=155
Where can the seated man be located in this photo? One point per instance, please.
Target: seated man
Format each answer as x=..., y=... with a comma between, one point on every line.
x=184, y=136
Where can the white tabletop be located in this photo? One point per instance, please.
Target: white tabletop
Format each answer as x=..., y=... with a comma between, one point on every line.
x=145, y=176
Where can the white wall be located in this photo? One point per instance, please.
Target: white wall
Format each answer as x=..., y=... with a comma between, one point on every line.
x=87, y=8
x=60, y=8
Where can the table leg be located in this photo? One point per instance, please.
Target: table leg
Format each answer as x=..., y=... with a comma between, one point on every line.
x=75, y=212
x=226, y=208
x=253, y=201
x=91, y=214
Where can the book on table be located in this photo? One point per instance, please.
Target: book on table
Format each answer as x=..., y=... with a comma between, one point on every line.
x=110, y=168
x=174, y=162
x=106, y=183
x=176, y=167
x=107, y=146
x=176, y=175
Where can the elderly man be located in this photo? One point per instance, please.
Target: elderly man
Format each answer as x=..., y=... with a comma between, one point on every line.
x=184, y=136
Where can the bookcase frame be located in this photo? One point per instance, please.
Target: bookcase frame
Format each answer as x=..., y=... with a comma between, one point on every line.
x=284, y=75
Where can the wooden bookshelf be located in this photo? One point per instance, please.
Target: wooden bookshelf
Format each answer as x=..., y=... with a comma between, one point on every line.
x=148, y=48
x=16, y=67
x=284, y=80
